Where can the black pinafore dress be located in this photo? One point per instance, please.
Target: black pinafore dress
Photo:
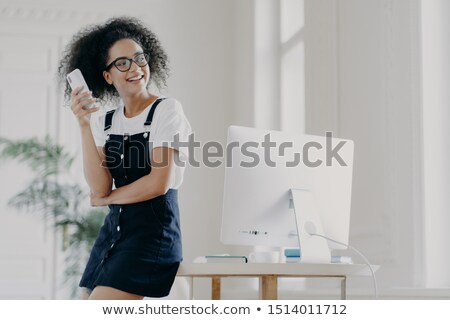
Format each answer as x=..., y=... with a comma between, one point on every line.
x=138, y=248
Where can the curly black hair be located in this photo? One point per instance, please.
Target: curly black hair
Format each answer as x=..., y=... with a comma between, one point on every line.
x=88, y=51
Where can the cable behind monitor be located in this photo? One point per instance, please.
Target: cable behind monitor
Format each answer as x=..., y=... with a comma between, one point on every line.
x=360, y=254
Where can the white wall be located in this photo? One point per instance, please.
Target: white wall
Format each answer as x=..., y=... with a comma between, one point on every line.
x=435, y=16
x=363, y=83
x=379, y=105
x=27, y=247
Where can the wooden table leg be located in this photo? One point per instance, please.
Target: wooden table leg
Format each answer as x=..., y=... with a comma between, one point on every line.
x=191, y=287
x=215, y=291
x=344, y=288
x=268, y=287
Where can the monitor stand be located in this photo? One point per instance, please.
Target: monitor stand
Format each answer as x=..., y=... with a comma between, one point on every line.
x=313, y=249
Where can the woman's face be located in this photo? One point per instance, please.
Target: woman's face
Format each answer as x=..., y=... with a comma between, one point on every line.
x=133, y=81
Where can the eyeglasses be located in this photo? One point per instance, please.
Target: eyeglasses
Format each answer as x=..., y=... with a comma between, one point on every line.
x=124, y=64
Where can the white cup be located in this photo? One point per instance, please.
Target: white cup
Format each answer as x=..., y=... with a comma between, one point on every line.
x=264, y=257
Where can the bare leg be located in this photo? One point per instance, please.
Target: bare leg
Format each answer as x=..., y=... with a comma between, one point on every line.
x=108, y=293
x=85, y=293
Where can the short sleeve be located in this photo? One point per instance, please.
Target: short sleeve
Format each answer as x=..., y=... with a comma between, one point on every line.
x=171, y=128
x=97, y=121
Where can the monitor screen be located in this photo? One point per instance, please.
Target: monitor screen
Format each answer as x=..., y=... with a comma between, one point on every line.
x=262, y=166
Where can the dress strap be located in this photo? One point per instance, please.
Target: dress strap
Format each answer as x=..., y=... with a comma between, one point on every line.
x=108, y=119
x=152, y=111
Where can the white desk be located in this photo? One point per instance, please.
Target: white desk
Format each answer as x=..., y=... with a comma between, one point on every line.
x=268, y=274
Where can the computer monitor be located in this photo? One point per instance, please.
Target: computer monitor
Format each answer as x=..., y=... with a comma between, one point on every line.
x=264, y=169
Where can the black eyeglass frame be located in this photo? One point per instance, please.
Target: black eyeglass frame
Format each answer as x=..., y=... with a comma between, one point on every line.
x=146, y=56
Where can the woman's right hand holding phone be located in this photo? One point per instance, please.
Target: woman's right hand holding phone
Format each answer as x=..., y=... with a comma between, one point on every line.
x=78, y=102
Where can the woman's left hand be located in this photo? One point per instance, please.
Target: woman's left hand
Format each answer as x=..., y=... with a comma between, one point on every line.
x=97, y=201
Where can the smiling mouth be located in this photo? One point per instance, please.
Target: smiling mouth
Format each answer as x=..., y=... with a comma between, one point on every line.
x=136, y=79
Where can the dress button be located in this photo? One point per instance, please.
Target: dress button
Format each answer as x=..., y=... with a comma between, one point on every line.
x=118, y=228
x=112, y=245
x=120, y=210
x=121, y=156
x=146, y=135
x=125, y=138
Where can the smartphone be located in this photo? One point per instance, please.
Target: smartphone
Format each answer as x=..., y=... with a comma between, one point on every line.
x=76, y=79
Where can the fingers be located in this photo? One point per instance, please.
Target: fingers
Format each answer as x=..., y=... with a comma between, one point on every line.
x=84, y=102
x=76, y=94
x=76, y=91
x=80, y=101
x=81, y=112
x=80, y=109
x=80, y=98
x=92, y=110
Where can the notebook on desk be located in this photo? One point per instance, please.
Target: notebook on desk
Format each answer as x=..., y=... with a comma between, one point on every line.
x=221, y=259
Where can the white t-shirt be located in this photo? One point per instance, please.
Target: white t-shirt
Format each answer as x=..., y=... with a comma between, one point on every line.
x=168, y=121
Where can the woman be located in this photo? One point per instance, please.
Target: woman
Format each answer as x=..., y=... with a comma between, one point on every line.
x=138, y=249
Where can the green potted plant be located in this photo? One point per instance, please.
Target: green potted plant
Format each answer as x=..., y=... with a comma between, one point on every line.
x=53, y=195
